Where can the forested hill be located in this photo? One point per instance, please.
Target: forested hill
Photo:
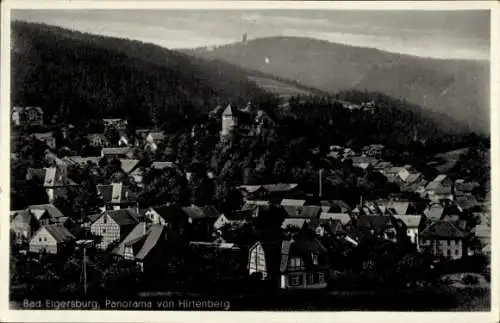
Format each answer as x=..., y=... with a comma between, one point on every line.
x=75, y=76
x=458, y=88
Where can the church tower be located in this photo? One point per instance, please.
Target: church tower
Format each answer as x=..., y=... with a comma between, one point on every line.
x=228, y=121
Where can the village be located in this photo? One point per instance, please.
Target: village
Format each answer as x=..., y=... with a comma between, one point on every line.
x=283, y=236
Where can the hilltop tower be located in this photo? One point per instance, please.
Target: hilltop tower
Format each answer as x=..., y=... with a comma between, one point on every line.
x=228, y=121
x=244, y=39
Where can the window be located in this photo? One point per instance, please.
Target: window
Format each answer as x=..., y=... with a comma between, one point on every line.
x=321, y=278
x=105, y=220
x=457, y=252
x=310, y=279
x=295, y=262
x=103, y=230
x=295, y=280
x=39, y=239
x=314, y=258
x=44, y=239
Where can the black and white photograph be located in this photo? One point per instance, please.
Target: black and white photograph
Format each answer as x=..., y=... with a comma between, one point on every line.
x=248, y=158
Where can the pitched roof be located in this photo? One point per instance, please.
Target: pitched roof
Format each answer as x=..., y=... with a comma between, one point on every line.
x=251, y=188
x=56, y=177
x=240, y=215
x=482, y=231
x=123, y=216
x=411, y=221
x=412, y=177
x=228, y=111
x=116, y=150
x=128, y=165
x=292, y=202
x=154, y=235
x=293, y=222
x=194, y=212
x=170, y=213
x=443, y=229
x=344, y=218
x=157, y=135
x=40, y=209
x=79, y=160
x=376, y=222
x=21, y=216
x=257, y=202
x=43, y=136
x=399, y=207
x=59, y=233
x=162, y=165
x=137, y=233
x=300, y=247
x=280, y=187
x=466, y=202
x=434, y=212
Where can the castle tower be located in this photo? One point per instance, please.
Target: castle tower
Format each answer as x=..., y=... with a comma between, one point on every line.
x=228, y=121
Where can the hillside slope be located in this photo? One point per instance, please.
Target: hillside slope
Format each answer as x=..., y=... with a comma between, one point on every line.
x=457, y=88
x=75, y=76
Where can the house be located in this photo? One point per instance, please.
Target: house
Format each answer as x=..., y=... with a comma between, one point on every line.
x=396, y=174
x=52, y=238
x=300, y=263
x=413, y=224
x=310, y=212
x=235, y=218
x=329, y=227
x=31, y=116
x=483, y=233
x=97, y=140
x=382, y=167
x=400, y=207
x=467, y=203
x=162, y=165
x=462, y=187
x=291, y=202
x=45, y=213
x=434, y=211
x=175, y=218
x=229, y=120
x=23, y=224
x=56, y=182
x=380, y=226
x=128, y=165
x=201, y=221
x=113, y=226
x=156, y=137
x=439, y=188
x=123, y=141
x=257, y=202
x=344, y=218
x=119, y=124
x=251, y=192
x=81, y=161
x=295, y=223
x=363, y=161
x=46, y=138
x=335, y=206
x=148, y=247
x=115, y=196
x=282, y=190
x=117, y=152
x=444, y=239
x=373, y=150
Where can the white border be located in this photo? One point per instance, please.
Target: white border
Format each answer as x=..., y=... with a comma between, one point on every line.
x=8, y=315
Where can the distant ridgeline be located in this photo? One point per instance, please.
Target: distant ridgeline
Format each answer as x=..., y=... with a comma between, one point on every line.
x=76, y=77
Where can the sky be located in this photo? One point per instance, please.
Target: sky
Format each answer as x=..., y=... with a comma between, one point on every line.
x=437, y=34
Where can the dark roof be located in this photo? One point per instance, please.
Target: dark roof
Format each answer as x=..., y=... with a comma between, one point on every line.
x=124, y=217
x=54, y=212
x=21, y=216
x=280, y=187
x=239, y=215
x=35, y=174
x=154, y=235
x=59, y=232
x=298, y=223
x=116, y=151
x=170, y=213
x=303, y=247
x=466, y=202
x=376, y=222
x=443, y=229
